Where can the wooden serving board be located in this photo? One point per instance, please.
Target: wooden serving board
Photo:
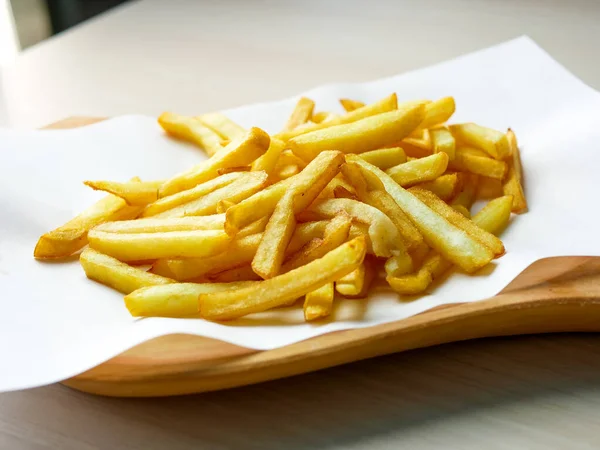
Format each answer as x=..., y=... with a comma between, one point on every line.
x=552, y=295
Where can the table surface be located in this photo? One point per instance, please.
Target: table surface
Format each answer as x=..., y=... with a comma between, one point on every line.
x=196, y=56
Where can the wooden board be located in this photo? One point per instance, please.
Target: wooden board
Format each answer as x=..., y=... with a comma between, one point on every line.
x=552, y=295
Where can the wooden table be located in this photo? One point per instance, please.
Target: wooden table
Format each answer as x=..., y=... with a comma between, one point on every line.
x=193, y=56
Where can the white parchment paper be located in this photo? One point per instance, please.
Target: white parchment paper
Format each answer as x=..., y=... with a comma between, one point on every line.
x=55, y=323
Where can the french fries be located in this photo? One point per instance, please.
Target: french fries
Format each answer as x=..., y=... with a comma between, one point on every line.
x=120, y=276
x=363, y=135
x=283, y=288
x=493, y=142
x=329, y=205
x=239, y=152
x=319, y=303
x=192, y=130
x=301, y=114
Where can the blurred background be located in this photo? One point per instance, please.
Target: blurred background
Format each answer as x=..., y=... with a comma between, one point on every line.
x=36, y=20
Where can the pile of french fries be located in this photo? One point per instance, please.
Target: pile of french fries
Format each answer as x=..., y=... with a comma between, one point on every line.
x=331, y=204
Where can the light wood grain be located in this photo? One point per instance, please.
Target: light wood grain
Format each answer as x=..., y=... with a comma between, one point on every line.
x=554, y=295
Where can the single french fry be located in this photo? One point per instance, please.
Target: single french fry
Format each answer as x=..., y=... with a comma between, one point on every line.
x=280, y=228
x=235, y=192
x=192, y=130
x=286, y=287
x=170, y=202
x=323, y=116
x=416, y=148
x=452, y=242
x=242, y=273
x=384, y=158
x=173, y=300
x=115, y=274
x=268, y=161
x=492, y=142
x=468, y=191
x=234, y=170
x=386, y=104
x=301, y=114
x=384, y=236
x=419, y=170
x=255, y=207
x=412, y=284
x=319, y=303
x=462, y=210
x=489, y=188
x=443, y=141
x=438, y=112
x=240, y=152
x=495, y=215
x=152, y=225
x=444, y=186
x=513, y=185
x=240, y=252
x=72, y=236
x=335, y=234
x=226, y=128
x=458, y=220
x=150, y=246
x=360, y=136
x=350, y=105
x=356, y=284
x=475, y=161
x=134, y=193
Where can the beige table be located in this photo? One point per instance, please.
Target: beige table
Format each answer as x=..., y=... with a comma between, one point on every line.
x=193, y=56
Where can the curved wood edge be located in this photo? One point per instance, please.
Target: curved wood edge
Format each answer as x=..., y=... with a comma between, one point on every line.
x=552, y=295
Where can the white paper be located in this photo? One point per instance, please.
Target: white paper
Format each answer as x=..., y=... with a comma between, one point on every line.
x=55, y=323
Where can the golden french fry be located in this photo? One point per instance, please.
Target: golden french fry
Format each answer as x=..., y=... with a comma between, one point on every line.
x=319, y=303
x=399, y=264
x=268, y=161
x=323, y=116
x=416, y=148
x=192, y=130
x=115, y=274
x=226, y=128
x=462, y=210
x=513, y=185
x=72, y=236
x=335, y=234
x=475, y=161
x=386, y=104
x=489, y=188
x=443, y=141
x=492, y=142
x=445, y=186
x=257, y=226
x=384, y=236
x=242, y=273
x=493, y=218
x=419, y=170
x=224, y=205
x=170, y=202
x=438, y=112
x=150, y=246
x=240, y=252
x=363, y=135
x=452, y=242
x=384, y=158
x=301, y=114
x=286, y=287
x=174, y=300
x=234, y=170
x=255, y=207
x=458, y=220
x=467, y=193
x=152, y=225
x=280, y=228
x=235, y=192
x=240, y=152
x=134, y=193
x=350, y=105
x=356, y=284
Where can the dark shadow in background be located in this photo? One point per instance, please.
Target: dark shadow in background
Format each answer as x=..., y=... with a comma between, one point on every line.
x=65, y=14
